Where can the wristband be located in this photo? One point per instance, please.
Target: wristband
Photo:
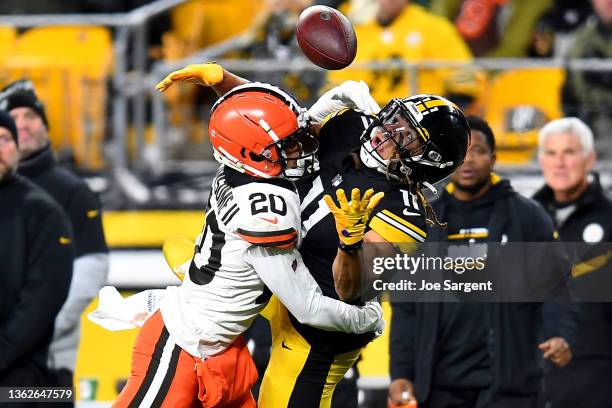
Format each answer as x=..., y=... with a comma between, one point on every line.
x=352, y=248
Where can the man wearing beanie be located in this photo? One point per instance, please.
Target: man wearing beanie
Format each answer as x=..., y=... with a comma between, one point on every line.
x=37, y=258
x=83, y=209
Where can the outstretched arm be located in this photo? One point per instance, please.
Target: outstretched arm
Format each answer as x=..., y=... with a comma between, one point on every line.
x=285, y=274
x=207, y=74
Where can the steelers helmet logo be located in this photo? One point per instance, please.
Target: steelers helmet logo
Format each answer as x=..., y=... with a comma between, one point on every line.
x=593, y=233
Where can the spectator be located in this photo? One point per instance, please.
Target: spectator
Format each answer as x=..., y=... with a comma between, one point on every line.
x=588, y=94
x=357, y=11
x=581, y=212
x=405, y=32
x=554, y=33
x=274, y=38
x=83, y=209
x=494, y=28
x=479, y=354
x=37, y=256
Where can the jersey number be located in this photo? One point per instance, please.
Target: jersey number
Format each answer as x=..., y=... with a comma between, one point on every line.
x=260, y=203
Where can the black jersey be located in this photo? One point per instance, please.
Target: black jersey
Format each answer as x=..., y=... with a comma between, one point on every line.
x=398, y=218
x=37, y=255
x=73, y=195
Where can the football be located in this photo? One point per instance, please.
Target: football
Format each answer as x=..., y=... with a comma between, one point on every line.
x=326, y=37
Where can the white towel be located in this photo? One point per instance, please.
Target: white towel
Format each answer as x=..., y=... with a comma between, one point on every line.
x=116, y=313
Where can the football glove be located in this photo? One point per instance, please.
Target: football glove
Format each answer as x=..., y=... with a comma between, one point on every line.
x=351, y=218
x=349, y=94
x=207, y=74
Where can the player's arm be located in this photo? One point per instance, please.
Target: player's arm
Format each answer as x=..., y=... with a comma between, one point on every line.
x=272, y=230
x=284, y=273
x=396, y=227
x=207, y=74
x=351, y=220
x=348, y=95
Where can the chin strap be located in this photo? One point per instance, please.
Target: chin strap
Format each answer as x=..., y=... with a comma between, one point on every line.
x=430, y=215
x=430, y=187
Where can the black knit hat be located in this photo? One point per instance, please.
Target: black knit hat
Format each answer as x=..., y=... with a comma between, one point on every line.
x=21, y=94
x=9, y=124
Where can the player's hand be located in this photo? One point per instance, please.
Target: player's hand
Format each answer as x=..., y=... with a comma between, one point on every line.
x=352, y=218
x=349, y=94
x=401, y=394
x=556, y=350
x=207, y=74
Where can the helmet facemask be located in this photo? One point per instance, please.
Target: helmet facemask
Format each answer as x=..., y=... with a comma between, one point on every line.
x=260, y=130
x=296, y=154
x=398, y=125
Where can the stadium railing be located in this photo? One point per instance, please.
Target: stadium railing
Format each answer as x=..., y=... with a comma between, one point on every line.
x=130, y=34
x=519, y=96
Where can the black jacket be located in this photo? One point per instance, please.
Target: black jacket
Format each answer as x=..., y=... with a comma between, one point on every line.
x=590, y=220
x=592, y=207
x=73, y=195
x=35, y=272
x=515, y=329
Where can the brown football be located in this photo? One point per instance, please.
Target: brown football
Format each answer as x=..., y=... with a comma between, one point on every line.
x=326, y=37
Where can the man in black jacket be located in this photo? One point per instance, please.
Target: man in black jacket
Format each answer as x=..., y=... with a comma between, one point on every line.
x=83, y=209
x=35, y=271
x=582, y=214
x=479, y=354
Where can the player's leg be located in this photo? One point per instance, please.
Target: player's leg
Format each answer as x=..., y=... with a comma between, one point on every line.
x=298, y=375
x=341, y=365
x=283, y=368
x=259, y=341
x=162, y=373
x=346, y=394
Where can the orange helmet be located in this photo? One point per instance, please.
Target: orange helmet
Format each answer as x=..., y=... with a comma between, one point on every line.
x=260, y=130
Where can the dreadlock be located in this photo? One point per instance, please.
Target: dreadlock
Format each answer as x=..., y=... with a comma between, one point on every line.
x=356, y=160
x=430, y=215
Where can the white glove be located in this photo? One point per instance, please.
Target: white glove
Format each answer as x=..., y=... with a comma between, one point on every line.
x=115, y=312
x=349, y=94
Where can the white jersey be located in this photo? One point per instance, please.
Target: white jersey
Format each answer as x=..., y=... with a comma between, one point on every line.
x=247, y=246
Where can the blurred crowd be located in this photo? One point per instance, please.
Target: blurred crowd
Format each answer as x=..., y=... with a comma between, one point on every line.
x=391, y=32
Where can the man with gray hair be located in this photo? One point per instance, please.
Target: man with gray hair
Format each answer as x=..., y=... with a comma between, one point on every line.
x=582, y=213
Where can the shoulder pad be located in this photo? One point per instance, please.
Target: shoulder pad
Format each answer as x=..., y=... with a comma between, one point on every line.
x=269, y=215
x=333, y=115
x=399, y=218
x=356, y=119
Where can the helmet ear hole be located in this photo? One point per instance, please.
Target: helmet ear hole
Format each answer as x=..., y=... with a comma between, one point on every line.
x=256, y=157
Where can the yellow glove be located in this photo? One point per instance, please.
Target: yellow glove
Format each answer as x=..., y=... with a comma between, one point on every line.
x=207, y=74
x=178, y=253
x=352, y=218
